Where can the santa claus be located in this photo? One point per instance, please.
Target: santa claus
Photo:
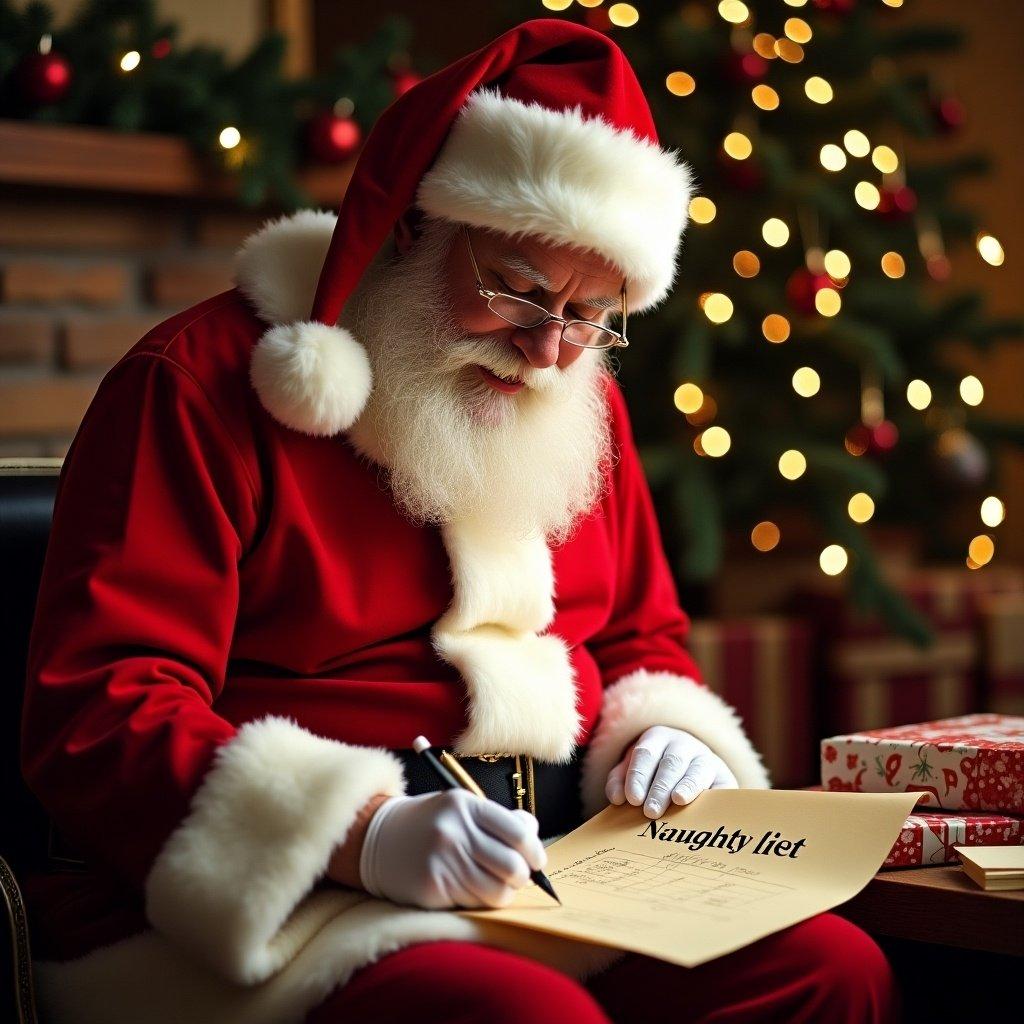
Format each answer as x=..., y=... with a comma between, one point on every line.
x=384, y=487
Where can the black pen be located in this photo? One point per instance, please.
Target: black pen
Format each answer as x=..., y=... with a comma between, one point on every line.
x=454, y=776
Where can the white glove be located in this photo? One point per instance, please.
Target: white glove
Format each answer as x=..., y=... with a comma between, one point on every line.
x=447, y=849
x=666, y=763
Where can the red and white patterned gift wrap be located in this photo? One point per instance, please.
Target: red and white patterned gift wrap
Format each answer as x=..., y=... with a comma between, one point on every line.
x=974, y=762
x=928, y=839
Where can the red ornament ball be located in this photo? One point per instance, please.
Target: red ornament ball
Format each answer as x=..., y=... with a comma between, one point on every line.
x=882, y=438
x=44, y=77
x=403, y=81
x=744, y=69
x=801, y=288
x=161, y=48
x=331, y=139
x=949, y=114
x=896, y=204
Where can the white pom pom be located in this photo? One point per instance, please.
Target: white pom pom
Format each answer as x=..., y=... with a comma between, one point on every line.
x=311, y=377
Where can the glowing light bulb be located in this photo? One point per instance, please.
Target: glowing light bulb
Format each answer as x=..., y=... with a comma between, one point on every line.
x=806, y=382
x=832, y=157
x=971, y=390
x=131, y=60
x=737, y=145
x=746, y=263
x=790, y=52
x=556, y=5
x=733, y=11
x=775, y=232
x=856, y=143
x=792, y=464
x=893, y=265
x=718, y=307
x=765, y=97
x=860, y=507
x=867, y=195
x=688, y=398
x=623, y=15
x=775, y=328
x=990, y=250
x=993, y=511
x=702, y=210
x=679, y=83
x=981, y=549
x=765, y=536
x=798, y=30
x=818, y=89
x=230, y=137
x=827, y=301
x=885, y=159
x=764, y=45
x=919, y=395
x=837, y=264
x=833, y=560
x=715, y=441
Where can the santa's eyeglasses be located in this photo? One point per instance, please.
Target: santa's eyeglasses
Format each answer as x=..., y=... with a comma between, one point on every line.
x=523, y=313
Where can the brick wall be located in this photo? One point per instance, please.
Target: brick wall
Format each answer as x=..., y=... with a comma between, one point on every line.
x=82, y=278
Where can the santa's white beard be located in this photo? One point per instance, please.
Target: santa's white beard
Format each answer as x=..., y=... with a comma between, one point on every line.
x=455, y=447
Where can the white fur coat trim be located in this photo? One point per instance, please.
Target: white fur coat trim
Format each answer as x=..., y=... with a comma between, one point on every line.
x=521, y=685
x=642, y=699
x=259, y=833
x=145, y=978
x=525, y=169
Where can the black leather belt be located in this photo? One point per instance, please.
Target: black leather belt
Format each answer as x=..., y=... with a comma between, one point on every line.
x=551, y=792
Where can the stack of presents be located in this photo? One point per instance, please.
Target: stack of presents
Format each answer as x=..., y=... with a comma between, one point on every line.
x=832, y=698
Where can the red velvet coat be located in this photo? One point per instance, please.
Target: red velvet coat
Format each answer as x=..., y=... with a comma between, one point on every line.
x=234, y=624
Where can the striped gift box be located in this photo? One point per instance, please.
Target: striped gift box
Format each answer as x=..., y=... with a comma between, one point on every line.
x=1003, y=654
x=761, y=665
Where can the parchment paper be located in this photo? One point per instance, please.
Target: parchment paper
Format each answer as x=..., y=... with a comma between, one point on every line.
x=711, y=876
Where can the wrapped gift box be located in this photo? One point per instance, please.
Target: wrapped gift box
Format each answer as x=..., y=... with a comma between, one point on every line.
x=974, y=762
x=761, y=665
x=928, y=838
x=1003, y=653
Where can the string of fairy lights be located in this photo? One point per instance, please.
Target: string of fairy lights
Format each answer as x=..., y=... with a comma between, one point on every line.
x=829, y=270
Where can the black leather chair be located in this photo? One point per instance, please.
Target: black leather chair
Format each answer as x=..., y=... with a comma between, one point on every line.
x=27, y=489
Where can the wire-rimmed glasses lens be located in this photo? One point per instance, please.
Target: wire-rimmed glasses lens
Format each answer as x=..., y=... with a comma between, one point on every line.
x=524, y=313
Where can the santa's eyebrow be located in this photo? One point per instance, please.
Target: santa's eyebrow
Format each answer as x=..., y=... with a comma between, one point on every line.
x=522, y=267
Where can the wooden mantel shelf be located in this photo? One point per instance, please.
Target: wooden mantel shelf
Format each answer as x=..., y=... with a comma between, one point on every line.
x=98, y=159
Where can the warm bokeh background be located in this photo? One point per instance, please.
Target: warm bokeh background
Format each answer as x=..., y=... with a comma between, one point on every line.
x=102, y=236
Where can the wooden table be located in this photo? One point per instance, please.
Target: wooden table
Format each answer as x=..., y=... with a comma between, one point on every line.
x=939, y=904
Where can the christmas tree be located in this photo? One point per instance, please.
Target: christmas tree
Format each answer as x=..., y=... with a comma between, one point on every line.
x=798, y=366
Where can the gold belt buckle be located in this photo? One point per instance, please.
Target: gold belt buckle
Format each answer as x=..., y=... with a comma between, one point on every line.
x=517, y=778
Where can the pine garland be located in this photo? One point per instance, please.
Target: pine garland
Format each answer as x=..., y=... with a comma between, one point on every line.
x=194, y=91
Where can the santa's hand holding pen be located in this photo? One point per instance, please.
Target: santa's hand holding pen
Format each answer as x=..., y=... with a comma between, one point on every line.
x=664, y=765
x=449, y=849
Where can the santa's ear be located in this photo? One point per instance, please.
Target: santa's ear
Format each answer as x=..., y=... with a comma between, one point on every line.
x=407, y=229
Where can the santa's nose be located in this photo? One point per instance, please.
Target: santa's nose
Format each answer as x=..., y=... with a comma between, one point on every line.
x=540, y=345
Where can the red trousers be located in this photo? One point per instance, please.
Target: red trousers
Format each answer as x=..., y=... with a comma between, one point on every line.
x=824, y=970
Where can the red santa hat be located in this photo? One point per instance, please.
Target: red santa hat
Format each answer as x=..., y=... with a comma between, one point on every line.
x=544, y=132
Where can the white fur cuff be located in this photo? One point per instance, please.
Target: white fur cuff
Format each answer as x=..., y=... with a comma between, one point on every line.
x=642, y=699
x=260, y=832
